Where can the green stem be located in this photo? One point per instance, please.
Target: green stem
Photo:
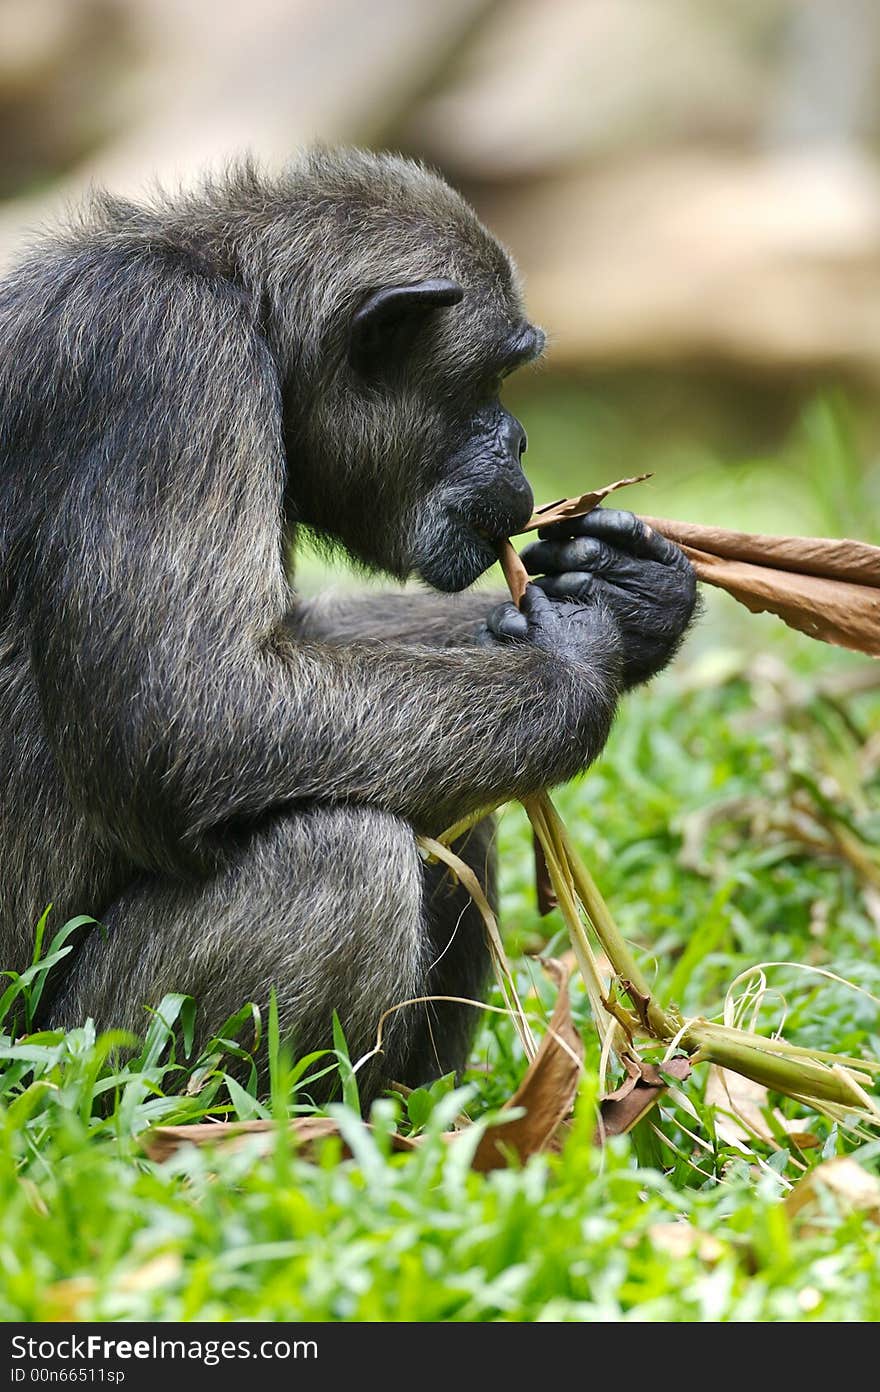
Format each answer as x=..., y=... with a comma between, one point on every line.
x=806, y=1074
x=617, y=949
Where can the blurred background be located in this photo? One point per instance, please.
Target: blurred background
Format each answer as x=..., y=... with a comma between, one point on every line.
x=690, y=187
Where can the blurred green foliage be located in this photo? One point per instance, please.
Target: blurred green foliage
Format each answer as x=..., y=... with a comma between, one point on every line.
x=795, y=466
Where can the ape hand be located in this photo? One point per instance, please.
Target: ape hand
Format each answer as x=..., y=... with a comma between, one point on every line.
x=571, y=630
x=612, y=559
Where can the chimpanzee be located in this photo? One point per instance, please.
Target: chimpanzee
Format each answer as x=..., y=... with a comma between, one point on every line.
x=230, y=777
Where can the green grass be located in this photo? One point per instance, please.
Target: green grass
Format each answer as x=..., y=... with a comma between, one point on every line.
x=734, y=819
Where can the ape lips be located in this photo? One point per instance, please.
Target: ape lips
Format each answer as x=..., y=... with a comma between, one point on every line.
x=827, y=588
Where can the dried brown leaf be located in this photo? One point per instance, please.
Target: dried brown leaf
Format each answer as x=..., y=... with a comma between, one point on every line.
x=65, y=1299
x=640, y=1091
x=854, y=1189
x=633, y=1068
x=546, y=1093
x=740, y=1105
x=832, y=611
x=163, y=1141
x=679, y=1240
x=824, y=557
x=825, y=587
x=565, y=508
x=547, y=900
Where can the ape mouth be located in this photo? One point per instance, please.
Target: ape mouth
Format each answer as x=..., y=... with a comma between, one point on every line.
x=458, y=556
x=491, y=526
x=479, y=542
x=485, y=538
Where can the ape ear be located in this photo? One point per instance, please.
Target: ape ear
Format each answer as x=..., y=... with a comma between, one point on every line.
x=393, y=308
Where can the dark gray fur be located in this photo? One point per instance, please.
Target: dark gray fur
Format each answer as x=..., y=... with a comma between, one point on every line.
x=228, y=777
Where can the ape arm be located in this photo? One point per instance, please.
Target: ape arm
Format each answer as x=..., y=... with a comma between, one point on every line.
x=175, y=699
x=428, y=620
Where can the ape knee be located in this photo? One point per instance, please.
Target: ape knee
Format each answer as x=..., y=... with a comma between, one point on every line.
x=324, y=908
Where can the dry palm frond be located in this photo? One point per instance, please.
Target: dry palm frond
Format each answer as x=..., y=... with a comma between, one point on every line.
x=627, y=1011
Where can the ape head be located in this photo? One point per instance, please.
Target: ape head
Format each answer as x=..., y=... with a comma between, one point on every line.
x=396, y=317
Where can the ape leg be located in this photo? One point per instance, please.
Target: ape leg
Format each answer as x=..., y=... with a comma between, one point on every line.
x=331, y=907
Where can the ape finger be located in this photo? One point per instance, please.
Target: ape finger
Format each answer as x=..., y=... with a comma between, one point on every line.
x=573, y=584
x=556, y=557
x=590, y=555
x=506, y=622
x=536, y=606
x=621, y=529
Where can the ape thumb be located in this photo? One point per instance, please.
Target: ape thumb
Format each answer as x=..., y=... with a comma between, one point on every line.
x=535, y=605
